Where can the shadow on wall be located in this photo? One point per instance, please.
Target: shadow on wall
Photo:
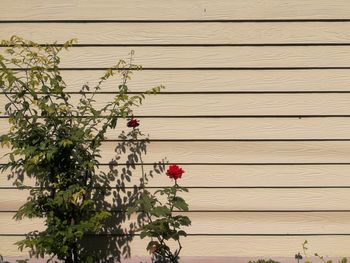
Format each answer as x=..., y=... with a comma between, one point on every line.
x=119, y=193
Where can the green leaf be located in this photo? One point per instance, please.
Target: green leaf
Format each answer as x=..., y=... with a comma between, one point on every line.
x=143, y=234
x=160, y=211
x=180, y=203
x=65, y=142
x=153, y=246
x=182, y=220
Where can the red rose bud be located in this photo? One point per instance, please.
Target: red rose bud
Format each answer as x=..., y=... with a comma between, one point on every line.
x=174, y=172
x=133, y=123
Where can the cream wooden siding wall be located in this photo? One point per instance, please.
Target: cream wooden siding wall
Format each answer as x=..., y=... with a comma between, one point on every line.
x=256, y=109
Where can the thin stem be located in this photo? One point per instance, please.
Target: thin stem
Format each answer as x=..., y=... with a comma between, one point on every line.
x=142, y=165
x=171, y=214
x=173, y=204
x=14, y=104
x=180, y=247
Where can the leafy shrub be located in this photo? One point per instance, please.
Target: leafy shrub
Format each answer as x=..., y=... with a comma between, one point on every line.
x=57, y=143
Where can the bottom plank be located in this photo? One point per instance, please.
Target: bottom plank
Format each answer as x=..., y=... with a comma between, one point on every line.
x=202, y=259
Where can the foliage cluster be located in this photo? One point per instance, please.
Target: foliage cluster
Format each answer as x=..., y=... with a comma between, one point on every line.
x=55, y=141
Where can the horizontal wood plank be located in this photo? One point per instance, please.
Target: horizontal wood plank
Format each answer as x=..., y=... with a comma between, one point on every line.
x=232, y=104
x=218, y=81
x=233, y=129
x=266, y=247
x=212, y=57
x=240, y=199
x=238, y=176
x=173, y=10
x=203, y=57
x=182, y=33
x=225, y=223
x=234, y=152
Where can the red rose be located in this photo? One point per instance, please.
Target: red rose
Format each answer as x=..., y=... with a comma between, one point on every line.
x=174, y=172
x=133, y=123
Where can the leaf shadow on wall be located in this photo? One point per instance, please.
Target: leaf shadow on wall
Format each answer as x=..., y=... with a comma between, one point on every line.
x=120, y=190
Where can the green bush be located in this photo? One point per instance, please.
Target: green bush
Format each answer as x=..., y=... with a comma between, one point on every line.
x=57, y=143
